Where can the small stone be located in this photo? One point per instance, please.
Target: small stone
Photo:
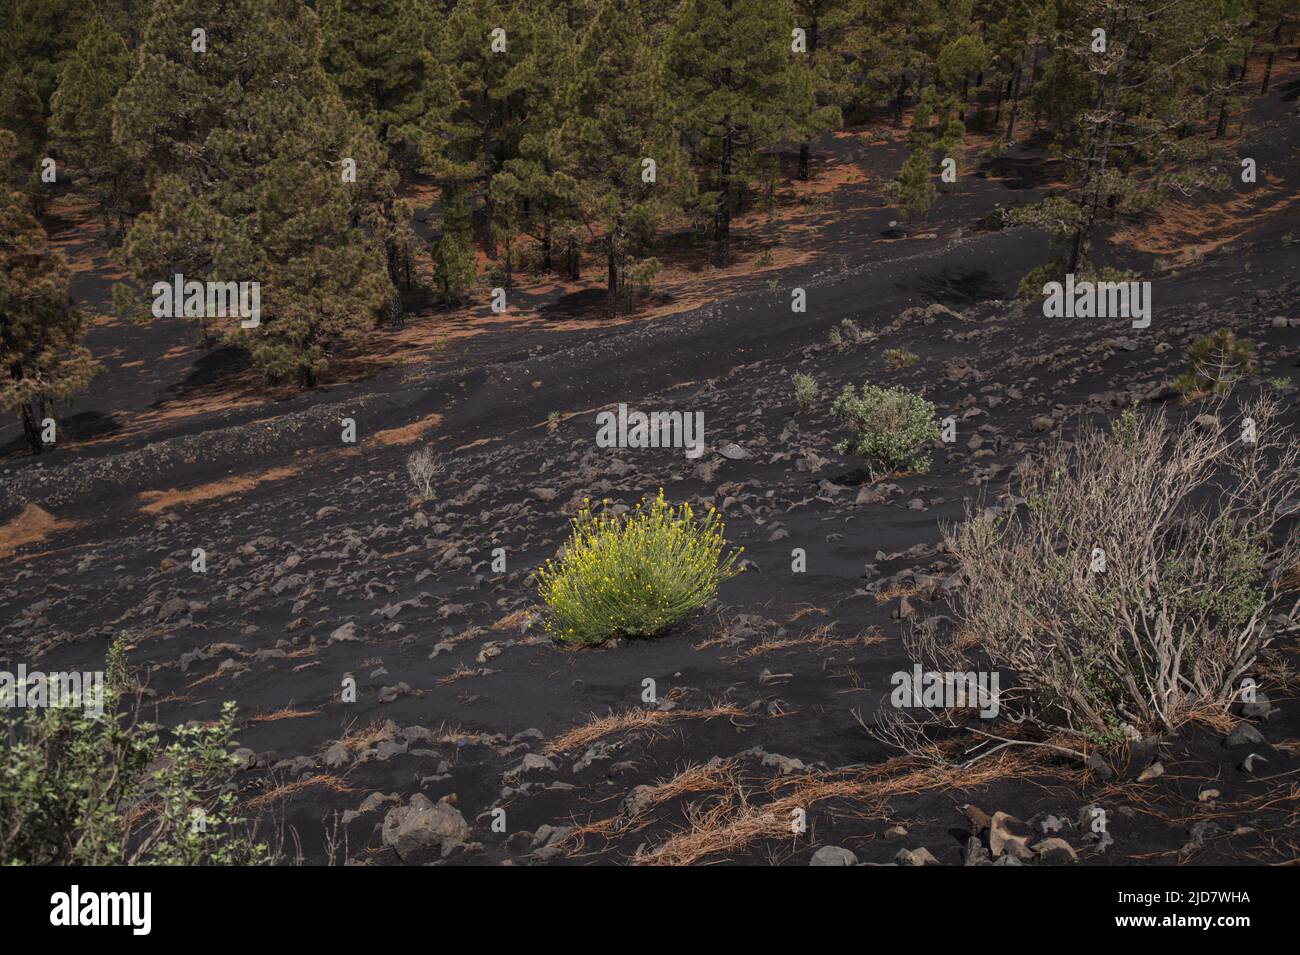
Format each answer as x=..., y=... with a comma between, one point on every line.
x=345, y=634
x=1054, y=851
x=976, y=854
x=424, y=829
x=733, y=452
x=336, y=756
x=833, y=855
x=1154, y=771
x=1008, y=835
x=919, y=856
x=1243, y=734
x=1260, y=708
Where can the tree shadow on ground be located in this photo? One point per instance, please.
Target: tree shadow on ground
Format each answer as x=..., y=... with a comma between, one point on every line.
x=955, y=287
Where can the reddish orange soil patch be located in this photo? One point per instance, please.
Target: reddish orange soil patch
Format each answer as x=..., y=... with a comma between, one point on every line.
x=156, y=501
x=33, y=525
x=1195, y=228
x=407, y=433
x=153, y=502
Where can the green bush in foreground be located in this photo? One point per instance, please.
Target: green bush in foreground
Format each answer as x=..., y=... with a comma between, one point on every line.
x=80, y=789
x=634, y=574
x=890, y=428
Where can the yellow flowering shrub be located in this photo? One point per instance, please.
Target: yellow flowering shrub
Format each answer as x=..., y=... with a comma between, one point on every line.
x=634, y=574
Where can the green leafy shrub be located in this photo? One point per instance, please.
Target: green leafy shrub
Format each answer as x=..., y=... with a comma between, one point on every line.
x=1031, y=286
x=890, y=428
x=81, y=789
x=805, y=391
x=1215, y=363
x=640, y=278
x=634, y=574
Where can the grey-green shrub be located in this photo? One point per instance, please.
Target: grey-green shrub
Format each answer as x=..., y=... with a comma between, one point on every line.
x=889, y=428
x=79, y=789
x=805, y=391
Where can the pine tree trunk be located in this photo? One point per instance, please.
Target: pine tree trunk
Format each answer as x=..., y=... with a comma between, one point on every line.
x=1268, y=65
x=805, y=148
x=898, y=99
x=612, y=252
x=1097, y=154
x=722, y=218
x=486, y=145
x=33, y=413
x=1015, y=104
x=396, y=309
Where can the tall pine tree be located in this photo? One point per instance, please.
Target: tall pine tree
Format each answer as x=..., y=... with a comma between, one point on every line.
x=733, y=79
x=248, y=153
x=1124, y=93
x=41, y=357
x=81, y=125
x=630, y=170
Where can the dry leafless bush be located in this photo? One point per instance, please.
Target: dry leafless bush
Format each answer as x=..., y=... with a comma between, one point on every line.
x=1186, y=517
x=424, y=470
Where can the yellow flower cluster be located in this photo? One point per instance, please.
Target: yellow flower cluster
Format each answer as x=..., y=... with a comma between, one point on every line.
x=634, y=574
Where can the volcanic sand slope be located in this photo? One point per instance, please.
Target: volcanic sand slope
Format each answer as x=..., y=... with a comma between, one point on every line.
x=320, y=567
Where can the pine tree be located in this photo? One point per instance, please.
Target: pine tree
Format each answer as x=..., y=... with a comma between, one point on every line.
x=471, y=142
x=949, y=132
x=958, y=62
x=630, y=172
x=455, y=265
x=826, y=27
x=81, y=124
x=37, y=36
x=22, y=114
x=126, y=18
x=733, y=78
x=1013, y=35
x=897, y=43
x=41, y=358
x=916, y=189
x=1124, y=116
x=375, y=51
x=532, y=193
x=246, y=149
